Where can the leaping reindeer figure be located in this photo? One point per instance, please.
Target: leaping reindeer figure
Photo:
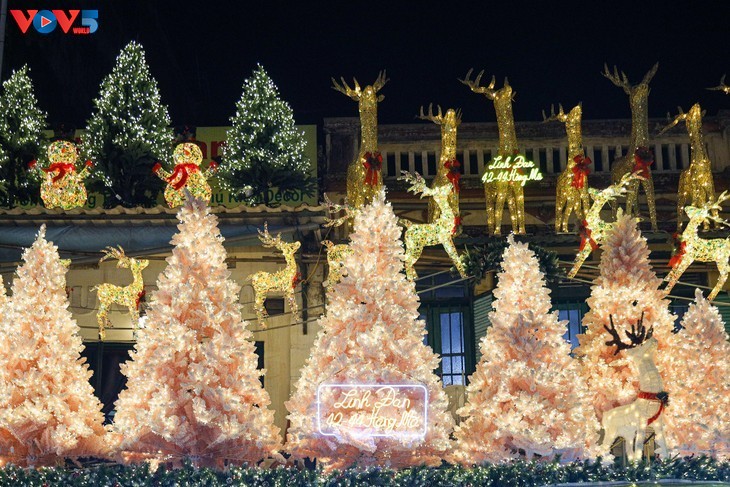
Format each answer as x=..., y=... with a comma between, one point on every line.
x=593, y=230
x=693, y=248
x=128, y=296
x=441, y=231
x=285, y=280
x=631, y=420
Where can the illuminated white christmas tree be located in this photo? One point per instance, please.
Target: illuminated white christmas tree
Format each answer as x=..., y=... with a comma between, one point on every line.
x=48, y=411
x=625, y=288
x=371, y=335
x=193, y=390
x=264, y=149
x=128, y=132
x=698, y=416
x=526, y=397
x=21, y=138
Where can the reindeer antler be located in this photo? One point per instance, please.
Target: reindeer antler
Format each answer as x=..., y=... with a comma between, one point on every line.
x=345, y=89
x=266, y=239
x=650, y=74
x=474, y=85
x=616, y=337
x=622, y=81
x=637, y=335
x=418, y=184
x=673, y=122
x=560, y=116
x=335, y=208
x=380, y=81
x=113, y=253
x=721, y=87
x=437, y=119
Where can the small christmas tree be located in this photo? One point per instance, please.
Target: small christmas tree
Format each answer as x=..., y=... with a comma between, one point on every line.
x=525, y=397
x=264, y=149
x=21, y=138
x=625, y=288
x=128, y=132
x=48, y=411
x=698, y=416
x=371, y=334
x=193, y=387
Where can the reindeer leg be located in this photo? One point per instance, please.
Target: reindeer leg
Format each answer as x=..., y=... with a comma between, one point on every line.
x=413, y=253
x=293, y=305
x=682, y=196
x=585, y=202
x=632, y=194
x=723, y=268
x=101, y=318
x=489, y=195
x=579, y=259
x=259, y=307
x=660, y=442
x=648, y=185
x=450, y=249
x=559, y=208
x=519, y=204
x=502, y=190
x=639, y=442
x=675, y=273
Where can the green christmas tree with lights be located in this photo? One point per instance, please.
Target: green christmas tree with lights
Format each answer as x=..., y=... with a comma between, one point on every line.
x=264, y=150
x=21, y=139
x=127, y=133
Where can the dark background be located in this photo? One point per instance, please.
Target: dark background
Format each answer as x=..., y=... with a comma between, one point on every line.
x=200, y=53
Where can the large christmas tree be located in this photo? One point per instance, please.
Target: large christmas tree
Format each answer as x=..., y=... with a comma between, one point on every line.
x=48, y=411
x=625, y=288
x=698, y=416
x=21, y=138
x=371, y=335
x=128, y=132
x=526, y=397
x=264, y=150
x=193, y=387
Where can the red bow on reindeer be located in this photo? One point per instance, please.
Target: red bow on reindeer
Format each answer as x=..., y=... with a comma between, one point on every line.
x=680, y=248
x=373, y=164
x=580, y=171
x=296, y=280
x=62, y=168
x=643, y=159
x=183, y=172
x=585, y=236
x=453, y=175
x=139, y=298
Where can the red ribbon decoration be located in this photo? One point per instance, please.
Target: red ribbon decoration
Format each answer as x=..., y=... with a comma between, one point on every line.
x=373, y=163
x=62, y=168
x=213, y=166
x=88, y=163
x=585, y=236
x=457, y=223
x=580, y=171
x=296, y=280
x=32, y=164
x=453, y=175
x=679, y=252
x=140, y=295
x=643, y=159
x=156, y=167
x=651, y=396
x=183, y=172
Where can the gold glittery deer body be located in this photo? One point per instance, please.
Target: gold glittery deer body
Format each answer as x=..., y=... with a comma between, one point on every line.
x=692, y=247
x=639, y=157
x=496, y=192
x=440, y=232
x=593, y=230
x=364, y=174
x=284, y=281
x=128, y=296
x=695, y=183
x=447, y=172
x=336, y=254
x=572, y=185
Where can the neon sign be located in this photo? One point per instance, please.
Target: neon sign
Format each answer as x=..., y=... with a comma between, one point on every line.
x=372, y=410
x=511, y=169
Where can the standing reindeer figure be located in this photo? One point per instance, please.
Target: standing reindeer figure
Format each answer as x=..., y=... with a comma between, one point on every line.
x=336, y=254
x=364, y=174
x=572, y=187
x=128, y=296
x=284, y=281
x=448, y=172
x=422, y=235
x=692, y=247
x=496, y=192
x=593, y=230
x=639, y=158
x=696, y=181
x=631, y=420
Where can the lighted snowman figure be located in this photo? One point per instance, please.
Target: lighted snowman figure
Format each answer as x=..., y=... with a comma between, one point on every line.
x=62, y=186
x=187, y=174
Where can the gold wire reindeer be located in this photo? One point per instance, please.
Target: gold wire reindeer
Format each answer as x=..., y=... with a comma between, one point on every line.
x=128, y=296
x=721, y=87
x=695, y=182
x=572, y=187
x=692, y=247
x=284, y=281
x=336, y=254
x=447, y=172
x=441, y=231
x=496, y=192
x=593, y=230
x=364, y=174
x=639, y=158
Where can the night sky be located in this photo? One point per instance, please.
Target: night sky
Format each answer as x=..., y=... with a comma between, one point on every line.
x=200, y=53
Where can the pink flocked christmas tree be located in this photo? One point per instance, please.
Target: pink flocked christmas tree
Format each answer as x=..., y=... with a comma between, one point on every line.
x=48, y=411
x=371, y=334
x=698, y=416
x=193, y=390
x=625, y=288
x=525, y=398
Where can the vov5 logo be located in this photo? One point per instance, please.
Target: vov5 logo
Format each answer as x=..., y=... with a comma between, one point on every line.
x=45, y=21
